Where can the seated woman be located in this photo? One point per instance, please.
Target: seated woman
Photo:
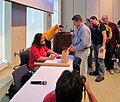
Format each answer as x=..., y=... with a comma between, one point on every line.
x=69, y=88
x=38, y=51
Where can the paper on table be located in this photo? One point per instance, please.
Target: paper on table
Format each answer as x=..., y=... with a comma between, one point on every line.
x=53, y=61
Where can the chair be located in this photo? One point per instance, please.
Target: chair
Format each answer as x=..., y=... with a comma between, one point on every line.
x=18, y=74
x=24, y=57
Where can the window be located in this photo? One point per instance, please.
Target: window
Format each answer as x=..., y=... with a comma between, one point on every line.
x=34, y=24
x=55, y=13
x=1, y=30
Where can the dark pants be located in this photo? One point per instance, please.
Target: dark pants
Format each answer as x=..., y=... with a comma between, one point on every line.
x=48, y=43
x=109, y=64
x=90, y=58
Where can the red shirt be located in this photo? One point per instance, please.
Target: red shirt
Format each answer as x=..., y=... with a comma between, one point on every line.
x=36, y=54
x=51, y=97
x=115, y=35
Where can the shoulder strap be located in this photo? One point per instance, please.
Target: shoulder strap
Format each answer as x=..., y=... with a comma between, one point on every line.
x=99, y=27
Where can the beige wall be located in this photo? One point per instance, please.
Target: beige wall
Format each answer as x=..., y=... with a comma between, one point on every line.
x=116, y=9
x=106, y=7
x=92, y=8
x=15, y=31
x=18, y=30
x=80, y=7
x=67, y=12
x=87, y=8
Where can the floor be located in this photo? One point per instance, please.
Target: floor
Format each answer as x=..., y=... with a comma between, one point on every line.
x=105, y=91
x=5, y=81
x=5, y=76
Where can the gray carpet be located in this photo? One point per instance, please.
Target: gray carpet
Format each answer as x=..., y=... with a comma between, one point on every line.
x=3, y=90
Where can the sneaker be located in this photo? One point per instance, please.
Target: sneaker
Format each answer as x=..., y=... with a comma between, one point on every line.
x=94, y=73
x=111, y=71
x=99, y=79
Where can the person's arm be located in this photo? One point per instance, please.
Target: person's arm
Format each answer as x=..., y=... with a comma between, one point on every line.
x=104, y=41
x=45, y=58
x=52, y=52
x=51, y=57
x=51, y=32
x=83, y=41
x=91, y=97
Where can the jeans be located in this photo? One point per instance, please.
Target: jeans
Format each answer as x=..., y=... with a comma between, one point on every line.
x=99, y=63
x=90, y=58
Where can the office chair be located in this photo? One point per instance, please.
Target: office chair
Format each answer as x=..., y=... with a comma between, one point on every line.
x=18, y=74
x=24, y=58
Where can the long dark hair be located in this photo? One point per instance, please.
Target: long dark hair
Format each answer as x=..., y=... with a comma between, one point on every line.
x=37, y=39
x=69, y=87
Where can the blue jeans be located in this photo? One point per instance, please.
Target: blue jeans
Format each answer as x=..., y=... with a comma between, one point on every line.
x=99, y=63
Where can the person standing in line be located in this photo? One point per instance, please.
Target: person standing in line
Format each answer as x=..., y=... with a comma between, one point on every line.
x=118, y=24
x=112, y=44
x=99, y=41
x=90, y=25
x=81, y=43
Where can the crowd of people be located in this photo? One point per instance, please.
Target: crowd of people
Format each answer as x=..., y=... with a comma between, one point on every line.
x=92, y=35
x=108, y=40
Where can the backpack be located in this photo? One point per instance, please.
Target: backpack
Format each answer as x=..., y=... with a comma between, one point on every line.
x=26, y=77
x=108, y=31
x=12, y=89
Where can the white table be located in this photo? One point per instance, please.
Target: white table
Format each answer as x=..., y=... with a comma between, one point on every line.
x=36, y=93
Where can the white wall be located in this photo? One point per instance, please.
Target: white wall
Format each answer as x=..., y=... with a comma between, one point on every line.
x=88, y=8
